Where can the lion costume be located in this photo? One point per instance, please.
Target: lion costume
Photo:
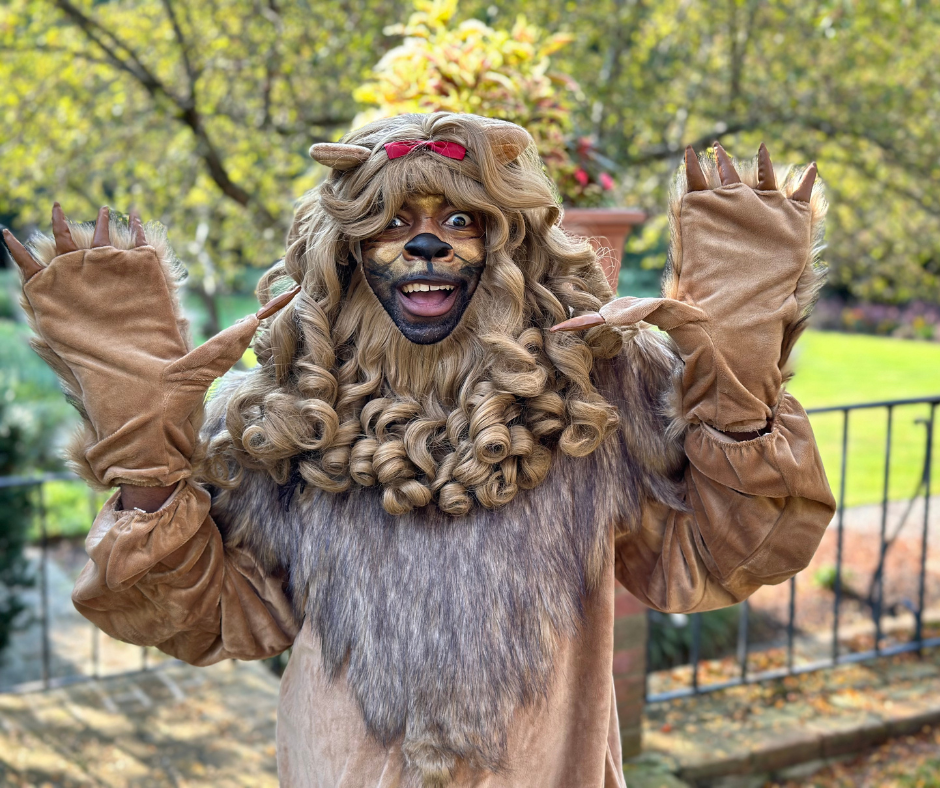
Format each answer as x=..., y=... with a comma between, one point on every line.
x=422, y=489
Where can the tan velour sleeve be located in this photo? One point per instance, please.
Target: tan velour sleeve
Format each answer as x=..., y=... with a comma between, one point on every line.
x=756, y=512
x=165, y=579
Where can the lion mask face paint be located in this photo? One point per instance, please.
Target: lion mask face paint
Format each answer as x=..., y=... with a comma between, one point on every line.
x=425, y=266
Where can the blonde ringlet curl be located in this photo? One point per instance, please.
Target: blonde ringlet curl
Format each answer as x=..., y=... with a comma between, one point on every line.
x=342, y=400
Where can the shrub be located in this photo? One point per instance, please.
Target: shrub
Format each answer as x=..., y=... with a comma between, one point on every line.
x=33, y=415
x=15, y=516
x=472, y=67
x=914, y=320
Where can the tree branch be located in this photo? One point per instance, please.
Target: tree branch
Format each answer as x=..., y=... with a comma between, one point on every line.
x=186, y=111
x=134, y=67
x=191, y=73
x=671, y=149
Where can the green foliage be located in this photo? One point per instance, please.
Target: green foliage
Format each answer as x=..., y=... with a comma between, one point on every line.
x=201, y=113
x=16, y=511
x=826, y=575
x=851, y=85
x=9, y=289
x=71, y=508
x=670, y=637
x=469, y=66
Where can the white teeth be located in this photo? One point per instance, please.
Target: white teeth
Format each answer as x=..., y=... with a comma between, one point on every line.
x=420, y=286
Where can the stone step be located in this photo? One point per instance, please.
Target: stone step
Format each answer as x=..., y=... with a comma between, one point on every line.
x=747, y=735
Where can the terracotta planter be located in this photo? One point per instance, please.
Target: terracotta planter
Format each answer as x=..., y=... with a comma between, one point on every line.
x=607, y=228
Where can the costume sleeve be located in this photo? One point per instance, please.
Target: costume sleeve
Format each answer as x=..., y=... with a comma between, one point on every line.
x=165, y=579
x=727, y=517
x=756, y=511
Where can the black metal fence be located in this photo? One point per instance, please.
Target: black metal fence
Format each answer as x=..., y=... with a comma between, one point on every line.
x=87, y=662
x=874, y=599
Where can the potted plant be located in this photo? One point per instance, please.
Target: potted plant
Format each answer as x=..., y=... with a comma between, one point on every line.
x=473, y=67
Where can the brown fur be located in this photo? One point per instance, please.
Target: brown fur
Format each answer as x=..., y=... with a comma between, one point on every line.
x=43, y=249
x=446, y=626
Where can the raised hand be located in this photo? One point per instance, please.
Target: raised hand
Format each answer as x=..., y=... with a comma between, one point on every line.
x=742, y=281
x=107, y=320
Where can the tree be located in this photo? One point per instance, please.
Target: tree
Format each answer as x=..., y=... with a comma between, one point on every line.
x=851, y=84
x=199, y=113
x=202, y=112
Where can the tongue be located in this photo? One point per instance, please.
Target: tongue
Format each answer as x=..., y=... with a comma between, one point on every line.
x=428, y=297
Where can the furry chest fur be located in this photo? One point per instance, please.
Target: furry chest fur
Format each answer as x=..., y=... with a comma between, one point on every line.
x=445, y=625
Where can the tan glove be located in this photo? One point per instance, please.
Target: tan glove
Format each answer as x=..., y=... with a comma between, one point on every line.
x=742, y=282
x=111, y=328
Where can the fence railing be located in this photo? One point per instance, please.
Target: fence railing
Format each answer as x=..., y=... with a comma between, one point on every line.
x=874, y=599
x=42, y=618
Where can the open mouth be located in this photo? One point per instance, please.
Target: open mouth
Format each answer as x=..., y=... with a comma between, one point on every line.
x=427, y=297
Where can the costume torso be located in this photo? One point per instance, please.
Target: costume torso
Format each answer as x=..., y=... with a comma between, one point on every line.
x=452, y=639
x=571, y=740
x=471, y=650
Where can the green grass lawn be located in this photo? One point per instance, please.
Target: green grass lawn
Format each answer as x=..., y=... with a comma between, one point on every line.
x=838, y=369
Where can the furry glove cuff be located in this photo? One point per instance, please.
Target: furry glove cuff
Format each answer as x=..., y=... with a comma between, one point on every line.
x=108, y=324
x=741, y=285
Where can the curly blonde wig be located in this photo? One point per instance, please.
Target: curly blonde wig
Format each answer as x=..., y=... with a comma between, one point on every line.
x=341, y=399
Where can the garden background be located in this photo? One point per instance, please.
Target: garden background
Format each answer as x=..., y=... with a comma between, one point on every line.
x=200, y=114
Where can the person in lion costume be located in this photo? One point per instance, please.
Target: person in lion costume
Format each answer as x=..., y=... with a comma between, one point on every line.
x=452, y=444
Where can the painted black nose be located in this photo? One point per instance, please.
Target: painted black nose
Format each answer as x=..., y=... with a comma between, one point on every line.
x=427, y=246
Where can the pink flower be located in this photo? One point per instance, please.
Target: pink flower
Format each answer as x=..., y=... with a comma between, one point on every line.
x=607, y=183
x=581, y=176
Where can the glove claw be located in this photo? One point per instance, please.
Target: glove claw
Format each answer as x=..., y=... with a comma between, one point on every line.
x=665, y=313
x=766, y=181
x=276, y=304
x=580, y=323
x=60, y=231
x=695, y=178
x=804, y=191
x=27, y=264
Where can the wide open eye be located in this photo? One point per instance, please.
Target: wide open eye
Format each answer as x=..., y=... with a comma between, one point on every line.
x=395, y=224
x=458, y=221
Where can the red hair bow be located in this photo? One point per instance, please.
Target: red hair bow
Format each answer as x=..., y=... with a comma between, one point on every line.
x=452, y=150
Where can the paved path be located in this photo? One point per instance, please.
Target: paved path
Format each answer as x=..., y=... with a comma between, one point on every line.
x=748, y=735
x=214, y=728
x=177, y=726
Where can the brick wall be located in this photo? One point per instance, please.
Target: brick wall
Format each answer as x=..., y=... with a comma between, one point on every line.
x=629, y=667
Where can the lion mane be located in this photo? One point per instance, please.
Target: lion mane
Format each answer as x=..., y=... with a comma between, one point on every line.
x=342, y=399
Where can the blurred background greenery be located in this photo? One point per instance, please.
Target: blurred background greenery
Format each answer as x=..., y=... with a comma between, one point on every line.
x=200, y=115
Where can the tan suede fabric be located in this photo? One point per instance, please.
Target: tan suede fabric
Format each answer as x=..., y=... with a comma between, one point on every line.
x=743, y=253
x=143, y=398
x=572, y=741
x=757, y=511
x=164, y=579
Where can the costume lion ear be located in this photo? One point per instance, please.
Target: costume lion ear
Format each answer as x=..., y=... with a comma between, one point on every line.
x=507, y=140
x=339, y=156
